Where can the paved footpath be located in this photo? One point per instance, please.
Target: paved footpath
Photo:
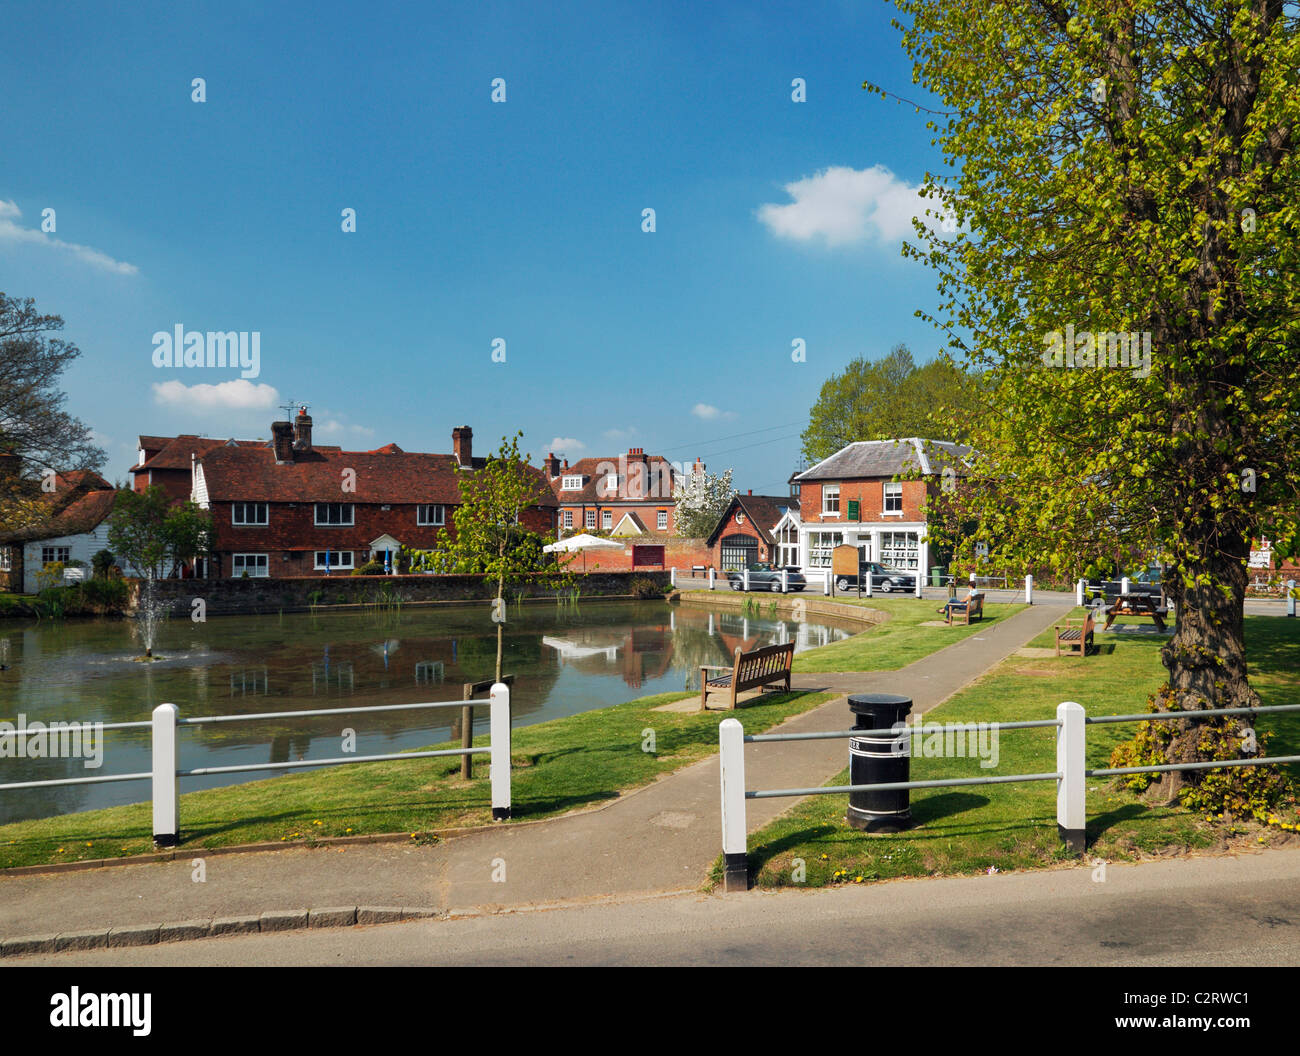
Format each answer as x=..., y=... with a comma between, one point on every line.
x=660, y=838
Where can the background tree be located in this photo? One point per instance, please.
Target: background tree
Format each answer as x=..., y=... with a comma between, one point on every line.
x=890, y=397
x=151, y=536
x=701, y=498
x=33, y=424
x=490, y=540
x=1127, y=168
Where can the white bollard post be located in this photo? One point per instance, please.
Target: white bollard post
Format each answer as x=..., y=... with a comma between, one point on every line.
x=1078, y=592
x=710, y=577
x=731, y=764
x=1071, y=786
x=867, y=577
x=918, y=582
x=1290, y=597
x=744, y=579
x=1029, y=590
x=166, y=798
x=826, y=583
x=1123, y=585
x=499, y=760
x=785, y=581
x=672, y=578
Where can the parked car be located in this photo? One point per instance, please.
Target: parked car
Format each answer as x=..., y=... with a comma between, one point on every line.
x=763, y=576
x=1145, y=581
x=883, y=579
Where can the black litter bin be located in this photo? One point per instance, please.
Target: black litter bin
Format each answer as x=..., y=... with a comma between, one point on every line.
x=878, y=759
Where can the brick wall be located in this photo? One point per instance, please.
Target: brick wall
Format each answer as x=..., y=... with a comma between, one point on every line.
x=870, y=495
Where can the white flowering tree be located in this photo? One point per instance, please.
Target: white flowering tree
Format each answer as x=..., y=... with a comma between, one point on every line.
x=701, y=499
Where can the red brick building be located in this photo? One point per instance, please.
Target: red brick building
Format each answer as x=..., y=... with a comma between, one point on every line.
x=168, y=461
x=756, y=528
x=852, y=498
x=627, y=495
x=292, y=509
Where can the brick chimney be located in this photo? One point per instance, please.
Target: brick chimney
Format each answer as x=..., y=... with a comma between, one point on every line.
x=282, y=441
x=462, y=444
x=552, y=466
x=302, y=431
x=750, y=491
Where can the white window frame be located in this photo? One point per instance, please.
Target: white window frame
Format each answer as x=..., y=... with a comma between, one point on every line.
x=571, y=483
x=568, y=518
x=904, y=544
x=891, y=490
x=253, y=573
x=6, y=559
x=589, y=521
x=830, y=492
x=351, y=515
x=258, y=507
x=56, y=559
x=820, y=546
x=606, y=520
x=661, y=521
x=438, y=511
x=335, y=561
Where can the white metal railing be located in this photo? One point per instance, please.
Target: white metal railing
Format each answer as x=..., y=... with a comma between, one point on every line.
x=165, y=774
x=1070, y=775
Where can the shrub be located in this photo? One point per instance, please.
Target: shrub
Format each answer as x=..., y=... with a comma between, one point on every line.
x=101, y=561
x=1240, y=791
x=370, y=568
x=646, y=588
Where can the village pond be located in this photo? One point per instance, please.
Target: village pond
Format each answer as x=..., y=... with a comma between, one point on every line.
x=565, y=660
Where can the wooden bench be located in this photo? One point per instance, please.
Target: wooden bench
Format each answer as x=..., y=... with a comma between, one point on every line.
x=970, y=606
x=1075, y=633
x=749, y=671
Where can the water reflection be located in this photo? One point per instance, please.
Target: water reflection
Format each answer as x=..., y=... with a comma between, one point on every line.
x=566, y=661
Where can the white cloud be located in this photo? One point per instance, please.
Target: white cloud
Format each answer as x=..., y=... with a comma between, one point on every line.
x=620, y=434
x=843, y=206
x=333, y=427
x=236, y=395
x=11, y=231
x=566, y=446
x=710, y=413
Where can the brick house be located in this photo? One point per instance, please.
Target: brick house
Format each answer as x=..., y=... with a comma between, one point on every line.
x=627, y=495
x=756, y=528
x=293, y=509
x=168, y=461
x=852, y=498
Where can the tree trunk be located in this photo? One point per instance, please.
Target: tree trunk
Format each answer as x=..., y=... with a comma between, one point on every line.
x=1206, y=658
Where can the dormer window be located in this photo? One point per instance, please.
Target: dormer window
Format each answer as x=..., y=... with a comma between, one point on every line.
x=573, y=483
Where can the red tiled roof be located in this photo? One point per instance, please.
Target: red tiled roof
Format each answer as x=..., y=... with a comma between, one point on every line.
x=649, y=482
x=763, y=511
x=250, y=474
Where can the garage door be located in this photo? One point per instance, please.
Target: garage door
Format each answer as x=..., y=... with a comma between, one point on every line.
x=738, y=551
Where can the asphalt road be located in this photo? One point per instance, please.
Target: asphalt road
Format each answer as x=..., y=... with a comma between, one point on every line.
x=1202, y=911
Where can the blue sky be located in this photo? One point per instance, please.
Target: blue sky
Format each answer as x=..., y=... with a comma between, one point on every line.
x=475, y=220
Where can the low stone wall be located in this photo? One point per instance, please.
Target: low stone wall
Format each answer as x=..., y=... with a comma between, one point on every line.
x=800, y=608
x=231, y=596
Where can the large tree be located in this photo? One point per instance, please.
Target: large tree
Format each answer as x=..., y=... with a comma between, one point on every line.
x=1125, y=172
x=33, y=425
x=152, y=536
x=888, y=398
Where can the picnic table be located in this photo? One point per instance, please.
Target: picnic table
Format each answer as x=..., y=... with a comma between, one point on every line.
x=1136, y=605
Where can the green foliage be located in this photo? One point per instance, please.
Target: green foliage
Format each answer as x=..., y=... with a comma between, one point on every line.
x=370, y=568
x=891, y=397
x=154, y=536
x=643, y=587
x=101, y=561
x=1241, y=792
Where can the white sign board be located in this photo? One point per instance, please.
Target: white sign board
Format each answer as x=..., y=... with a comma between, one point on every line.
x=74, y=574
x=1261, y=559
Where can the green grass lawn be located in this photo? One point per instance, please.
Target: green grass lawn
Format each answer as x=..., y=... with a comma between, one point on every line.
x=1013, y=826
x=901, y=640
x=562, y=765
x=558, y=766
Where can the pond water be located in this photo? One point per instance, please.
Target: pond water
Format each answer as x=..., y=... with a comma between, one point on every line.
x=566, y=660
